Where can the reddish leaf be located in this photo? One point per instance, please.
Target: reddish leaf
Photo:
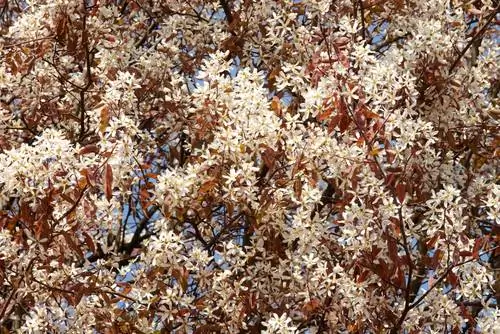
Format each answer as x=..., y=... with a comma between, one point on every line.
x=89, y=242
x=297, y=166
x=345, y=120
x=433, y=241
x=89, y=179
x=106, y=298
x=393, y=250
x=310, y=307
x=353, y=328
x=67, y=198
x=297, y=188
x=401, y=192
x=269, y=158
x=453, y=279
x=435, y=259
x=108, y=182
x=206, y=329
x=333, y=123
x=465, y=253
x=62, y=27
x=276, y=106
x=200, y=303
x=207, y=186
x=89, y=149
x=477, y=247
x=104, y=119
x=126, y=289
x=363, y=276
x=370, y=114
x=324, y=115
x=400, y=279
x=72, y=244
x=381, y=269
x=181, y=275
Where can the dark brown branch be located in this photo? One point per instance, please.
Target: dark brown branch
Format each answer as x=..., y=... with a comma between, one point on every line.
x=390, y=41
x=476, y=36
x=409, y=307
x=227, y=10
x=4, y=314
x=73, y=207
x=363, y=25
x=88, y=74
x=136, y=238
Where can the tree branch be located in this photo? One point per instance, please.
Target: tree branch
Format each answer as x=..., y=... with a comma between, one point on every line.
x=478, y=34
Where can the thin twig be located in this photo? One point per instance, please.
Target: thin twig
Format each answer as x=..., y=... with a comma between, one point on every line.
x=478, y=34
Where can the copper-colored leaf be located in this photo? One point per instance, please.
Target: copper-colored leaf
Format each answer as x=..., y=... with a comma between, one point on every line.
x=363, y=276
x=206, y=329
x=453, y=279
x=311, y=306
x=438, y=254
x=108, y=182
x=181, y=275
x=353, y=328
x=401, y=192
x=207, y=186
x=297, y=188
x=269, y=158
x=345, y=120
x=393, y=250
x=89, y=149
x=72, y=244
x=400, y=279
x=88, y=240
x=276, y=106
x=104, y=119
x=433, y=241
x=477, y=246
x=82, y=182
x=324, y=115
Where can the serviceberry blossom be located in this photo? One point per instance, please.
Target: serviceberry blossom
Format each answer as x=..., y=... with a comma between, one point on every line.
x=249, y=166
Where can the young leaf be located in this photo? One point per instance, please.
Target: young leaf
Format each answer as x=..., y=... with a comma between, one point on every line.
x=108, y=182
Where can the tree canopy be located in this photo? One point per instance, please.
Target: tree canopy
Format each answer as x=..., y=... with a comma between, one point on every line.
x=248, y=166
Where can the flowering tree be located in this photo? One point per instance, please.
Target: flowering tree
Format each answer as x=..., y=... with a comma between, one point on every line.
x=249, y=165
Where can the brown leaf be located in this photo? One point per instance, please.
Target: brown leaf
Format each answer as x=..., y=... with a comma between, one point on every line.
x=108, y=182
x=363, y=276
x=82, y=182
x=393, y=250
x=89, y=149
x=432, y=241
x=89, y=241
x=72, y=244
x=453, y=279
x=401, y=192
x=400, y=281
x=310, y=307
x=297, y=187
x=206, y=329
x=345, y=120
x=477, y=246
x=370, y=114
x=181, y=275
x=104, y=119
x=324, y=115
x=276, y=106
x=207, y=186
x=269, y=158
x=62, y=28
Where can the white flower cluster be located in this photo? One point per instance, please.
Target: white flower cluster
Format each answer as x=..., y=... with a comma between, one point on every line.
x=249, y=166
x=50, y=161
